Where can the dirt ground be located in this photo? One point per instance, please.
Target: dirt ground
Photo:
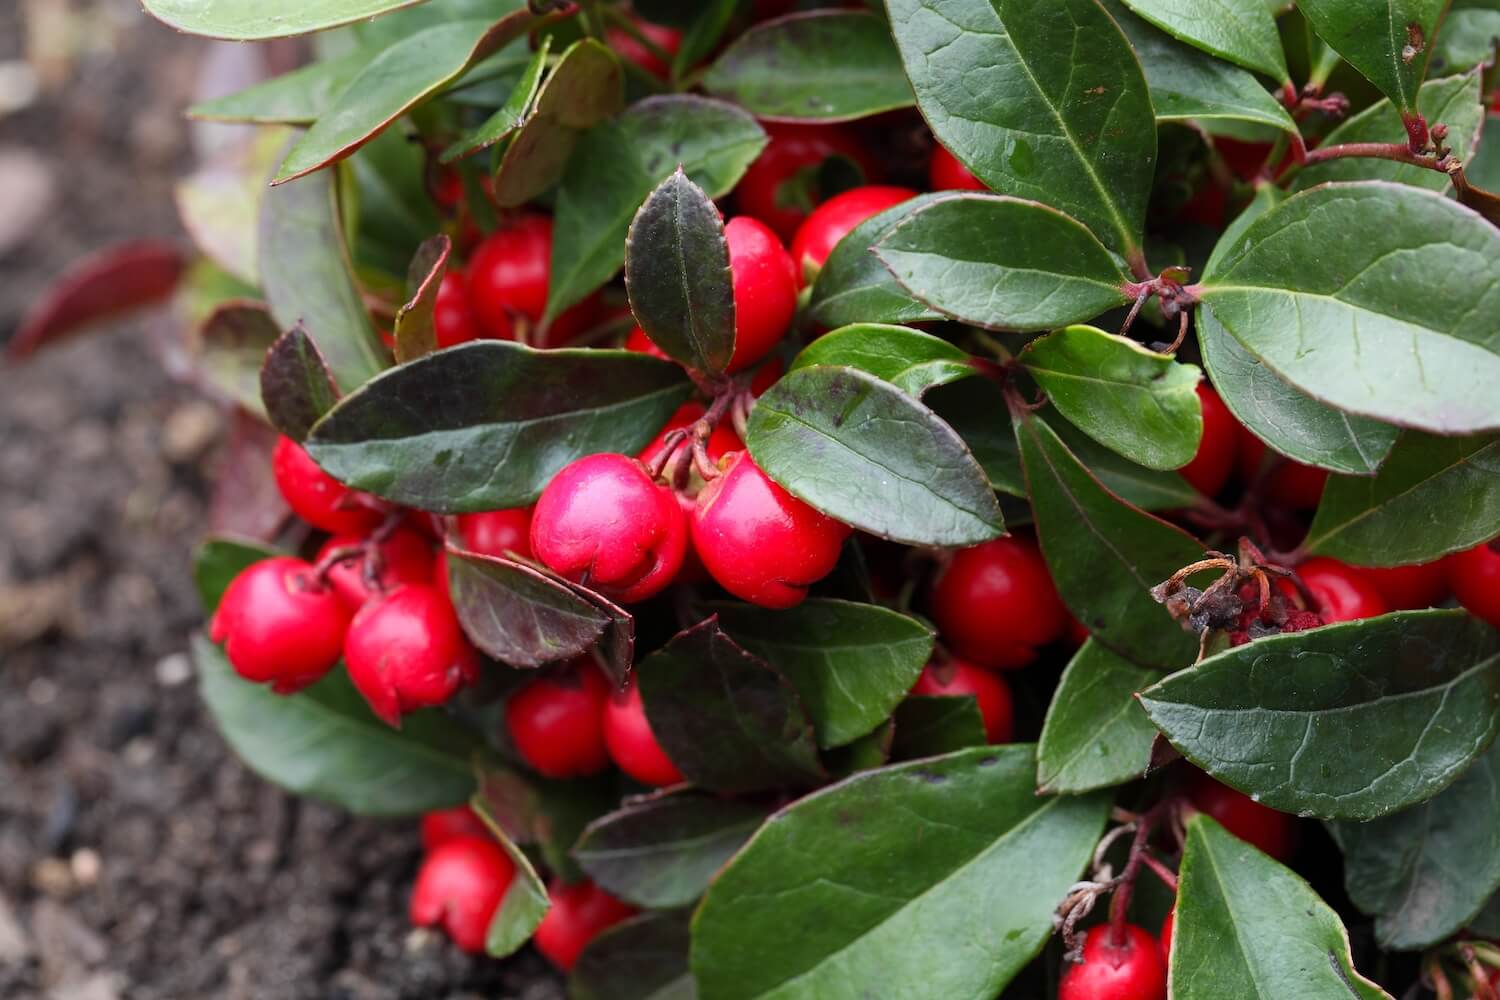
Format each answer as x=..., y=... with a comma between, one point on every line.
x=138, y=859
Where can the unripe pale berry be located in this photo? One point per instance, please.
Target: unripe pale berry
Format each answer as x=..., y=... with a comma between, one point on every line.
x=279, y=625
x=405, y=650
x=405, y=556
x=1131, y=969
x=836, y=218
x=497, y=532
x=460, y=886
x=579, y=913
x=995, y=603
x=765, y=290
x=556, y=722
x=632, y=745
x=443, y=825
x=317, y=497
x=955, y=678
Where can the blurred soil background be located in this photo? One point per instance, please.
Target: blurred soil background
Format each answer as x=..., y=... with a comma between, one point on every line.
x=138, y=859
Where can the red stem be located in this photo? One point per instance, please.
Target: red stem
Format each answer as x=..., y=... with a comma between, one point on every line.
x=1397, y=151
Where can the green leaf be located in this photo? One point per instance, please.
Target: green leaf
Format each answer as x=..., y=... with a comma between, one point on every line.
x=1486, y=923
x=1134, y=401
x=233, y=342
x=324, y=742
x=853, y=286
x=975, y=409
x=1382, y=322
x=1095, y=735
x=929, y=853
x=415, y=328
x=677, y=274
x=1241, y=31
x=1003, y=264
x=300, y=97
x=396, y=213
x=1389, y=43
x=1484, y=168
x=851, y=663
x=727, y=719
x=616, y=165
x=220, y=202
x=1351, y=721
x=1104, y=555
x=828, y=65
x=864, y=452
x=1434, y=495
x=512, y=114
x=644, y=958
x=703, y=35
x=664, y=850
x=909, y=359
x=1466, y=40
x=252, y=20
x=525, y=902
x=296, y=386
x=1454, y=101
x=509, y=418
x=1041, y=99
x=1425, y=871
x=217, y=561
x=928, y=726
x=1248, y=927
x=519, y=615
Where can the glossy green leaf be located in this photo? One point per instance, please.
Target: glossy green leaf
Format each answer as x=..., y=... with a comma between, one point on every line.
x=644, y=958
x=1248, y=927
x=677, y=274
x=851, y=663
x=525, y=902
x=1389, y=43
x=519, y=615
x=300, y=97
x=927, y=726
x=853, y=286
x=1095, y=734
x=217, y=561
x=1241, y=31
x=296, y=386
x=512, y=114
x=1003, y=264
x=1384, y=321
x=864, y=452
x=663, y=851
x=1134, y=401
x=909, y=359
x=251, y=20
x=325, y=742
x=829, y=65
x=232, y=344
x=975, y=409
x=1466, y=39
x=396, y=211
x=1351, y=721
x=616, y=165
x=1104, y=555
x=485, y=425
x=415, y=327
x=953, y=848
x=1041, y=99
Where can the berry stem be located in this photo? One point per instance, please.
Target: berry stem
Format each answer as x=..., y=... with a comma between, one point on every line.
x=1119, y=904
x=1160, y=870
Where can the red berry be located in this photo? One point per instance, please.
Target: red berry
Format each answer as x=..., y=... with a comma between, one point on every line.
x=1245, y=158
x=721, y=442
x=453, y=318
x=1474, y=575
x=669, y=40
x=1249, y=451
x=1129, y=970
x=1292, y=484
x=508, y=277
x=835, y=218
x=995, y=603
x=1344, y=594
x=556, y=722
x=758, y=541
x=1272, y=832
x=637, y=341
x=769, y=374
x=1210, y=467
x=315, y=496
x=631, y=743
x=405, y=651
x=460, y=886
x=945, y=173
x=1165, y=937
x=1419, y=585
x=779, y=188
x=605, y=522
x=765, y=290
x=497, y=532
x=443, y=825
x=404, y=557
x=956, y=678
x=279, y=625
x=579, y=913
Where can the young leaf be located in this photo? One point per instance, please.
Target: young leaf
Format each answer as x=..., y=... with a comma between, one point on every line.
x=1434, y=495
x=525, y=902
x=519, y=615
x=325, y=742
x=1041, y=99
x=1241, y=31
x=852, y=663
x=1389, y=43
x=826, y=65
x=727, y=719
x=1002, y=263
x=300, y=97
x=1139, y=403
x=253, y=20
x=663, y=851
x=512, y=114
x=217, y=561
x=1392, y=306
x=504, y=420
x=1352, y=721
x=233, y=342
x=677, y=274
x=909, y=359
x=853, y=286
x=1095, y=735
x=954, y=848
x=415, y=329
x=1248, y=927
x=1105, y=556
x=927, y=726
x=295, y=384
x=864, y=452
x=643, y=958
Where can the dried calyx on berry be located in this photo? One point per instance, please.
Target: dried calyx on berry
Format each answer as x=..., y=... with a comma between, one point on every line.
x=1253, y=597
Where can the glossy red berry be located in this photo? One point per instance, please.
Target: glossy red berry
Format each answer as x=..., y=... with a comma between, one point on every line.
x=1273, y=832
x=759, y=542
x=955, y=678
x=443, y=825
x=460, y=886
x=780, y=188
x=453, y=318
x=721, y=442
x=632, y=745
x=1292, y=484
x=405, y=556
x=995, y=603
x=279, y=625
x=1131, y=969
x=1343, y=592
x=605, y=522
x=669, y=40
x=1474, y=575
x=945, y=173
x=1249, y=452
x=1209, y=470
x=315, y=496
x=636, y=340
x=405, y=651
x=765, y=290
x=835, y=218
x=508, y=277
x=497, y=532
x=1419, y=585
x=579, y=913
x=556, y=722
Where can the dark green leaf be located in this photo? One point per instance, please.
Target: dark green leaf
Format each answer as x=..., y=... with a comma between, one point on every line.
x=485, y=425
x=217, y=561
x=300, y=97
x=415, y=328
x=295, y=384
x=512, y=114
x=1486, y=922
x=1095, y=735
x=863, y=888
x=1248, y=927
x=1241, y=31
x=1041, y=99
x=525, y=902
x=519, y=615
x=644, y=958
x=703, y=35
x=396, y=213
x=1352, y=721
x=828, y=65
x=975, y=409
x=853, y=286
x=1390, y=43
x=616, y=650
x=1003, y=264
x=677, y=274
x=909, y=359
x=864, y=452
x=870, y=751
x=233, y=342
x=928, y=726
x=663, y=851
x=250, y=20
x=548, y=814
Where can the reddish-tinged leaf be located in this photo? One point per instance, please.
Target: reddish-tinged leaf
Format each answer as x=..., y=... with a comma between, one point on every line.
x=520, y=615
x=232, y=346
x=295, y=384
x=246, y=502
x=416, y=334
